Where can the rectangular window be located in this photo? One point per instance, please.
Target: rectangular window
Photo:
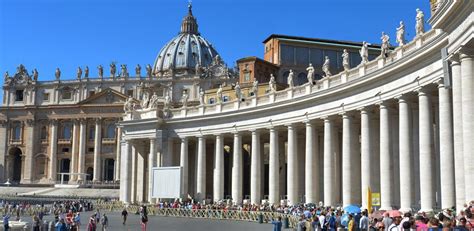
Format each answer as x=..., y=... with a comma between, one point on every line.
x=65, y=149
x=90, y=150
x=46, y=97
x=19, y=95
x=212, y=101
x=247, y=76
x=67, y=95
x=225, y=98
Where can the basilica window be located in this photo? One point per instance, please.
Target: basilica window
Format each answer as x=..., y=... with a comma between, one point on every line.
x=212, y=101
x=91, y=133
x=46, y=97
x=247, y=77
x=16, y=132
x=19, y=95
x=225, y=98
x=110, y=132
x=67, y=131
x=130, y=93
x=44, y=133
x=66, y=94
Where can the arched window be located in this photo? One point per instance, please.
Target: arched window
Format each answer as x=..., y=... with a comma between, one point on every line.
x=16, y=131
x=212, y=101
x=301, y=79
x=110, y=132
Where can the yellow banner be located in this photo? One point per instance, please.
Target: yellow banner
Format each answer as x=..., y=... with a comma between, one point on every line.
x=375, y=199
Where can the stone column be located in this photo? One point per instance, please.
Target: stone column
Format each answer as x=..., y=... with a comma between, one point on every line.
x=183, y=162
x=274, y=169
x=117, y=154
x=366, y=154
x=219, y=169
x=467, y=65
x=82, y=150
x=28, y=173
x=386, y=165
x=457, y=132
x=311, y=164
x=53, y=150
x=151, y=165
x=74, y=150
x=255, y=171
x=329, y=161
x=292, y=174
x=237, y=170
x=427, y=190
x=406, y=155
x=446, y=148
x=347, y=160
x=97, y=150
x=126, y=176
x=201, y=169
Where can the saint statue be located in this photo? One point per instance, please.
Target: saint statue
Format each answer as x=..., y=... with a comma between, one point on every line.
x=420, y=22
x=124, y=70
x=184, y=99
x=326, y=66
x=145, y=100
x=401, y=34
x=138, y=71
x=148, y=71
x=129, y=105
x=201, y=97
x=57, y=73
x=219, y=94
x=167, y=102
x=310, y=75
x=86, y=72
x=6, y=78
x=35, y=75
x=238, y=91
x=345, y=60
x=198, y=69
x=272, y=84
x=153, y=101
x=113, y=70
x=255, y=87
x=101, y=71
x=79, y=72
x=385, y=45
x=364, y=52
x=290, y=79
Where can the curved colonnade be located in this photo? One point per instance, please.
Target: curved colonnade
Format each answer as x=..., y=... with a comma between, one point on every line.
x=386, y=125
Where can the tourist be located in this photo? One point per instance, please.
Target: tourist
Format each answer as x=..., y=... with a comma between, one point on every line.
x=77, y=221
x=6, y=219
x=97, y=216
x=92, y=224
x=364, y=221
x=143, y=217
x=277, y=224
x=315, y=226
x=104, y=221
x=124, y=216
x=396, y=218
x=350, y=225
x=387, y=221
x=462, y=225
x=322, y=221
x=36, y=223
x=301, y=226
x=61, y=225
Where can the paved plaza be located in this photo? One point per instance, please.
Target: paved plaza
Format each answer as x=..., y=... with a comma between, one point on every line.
x=169, y=223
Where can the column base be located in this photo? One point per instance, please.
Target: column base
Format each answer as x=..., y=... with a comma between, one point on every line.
x=387, y=208
x=405, y=210
x=425, y=210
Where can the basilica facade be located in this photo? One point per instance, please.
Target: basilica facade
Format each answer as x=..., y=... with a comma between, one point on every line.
x=314, y=121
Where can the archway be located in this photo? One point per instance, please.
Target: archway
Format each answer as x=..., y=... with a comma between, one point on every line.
x=109, y=169
x=14, y=160
x=90, y=173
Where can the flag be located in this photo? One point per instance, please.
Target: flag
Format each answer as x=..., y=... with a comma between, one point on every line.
x=369, y=200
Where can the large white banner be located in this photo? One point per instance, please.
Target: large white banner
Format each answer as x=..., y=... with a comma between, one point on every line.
x=166, y=182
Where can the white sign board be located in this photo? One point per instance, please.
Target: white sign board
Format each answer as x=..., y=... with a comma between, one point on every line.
x=166, y=182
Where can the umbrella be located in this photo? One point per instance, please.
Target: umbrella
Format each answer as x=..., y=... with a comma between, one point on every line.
x=377, y=214
x=352, y=209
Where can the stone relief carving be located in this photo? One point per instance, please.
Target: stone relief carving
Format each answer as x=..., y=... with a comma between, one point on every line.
x=326, y=66
x=401, y=34
x=310, y=75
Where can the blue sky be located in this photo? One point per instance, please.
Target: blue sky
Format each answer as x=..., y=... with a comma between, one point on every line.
x=46, y=34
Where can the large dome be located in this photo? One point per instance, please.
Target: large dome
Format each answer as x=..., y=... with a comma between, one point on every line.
x=182, y=54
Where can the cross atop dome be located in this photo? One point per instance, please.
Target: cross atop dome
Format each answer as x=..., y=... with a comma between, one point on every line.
x=189, y=25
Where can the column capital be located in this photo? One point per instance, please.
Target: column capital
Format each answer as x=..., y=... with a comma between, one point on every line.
x=440, y=83
x=152, y=140
x=347, y=114
x=454, y=59
x=30, y=122
x=98, y=120
x=402, y=98
x=422, y=91
x=383, y=104
x=466, y=53
x=255, y=131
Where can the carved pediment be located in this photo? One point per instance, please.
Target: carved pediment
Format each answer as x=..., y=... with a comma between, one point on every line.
x=106, y=96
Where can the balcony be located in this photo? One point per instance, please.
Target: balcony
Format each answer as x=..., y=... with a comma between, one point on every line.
x=108, y=140
x=64, y=141
x=12, y=141
x=44, y=141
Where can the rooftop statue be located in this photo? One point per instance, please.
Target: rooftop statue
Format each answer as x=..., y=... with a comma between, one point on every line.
x=145, y=101
x=153, y=101
x=79, y=72
x=148, y=71
x=327, y=66
x=290, y=79
x=401, y=34
x=385, y=45
x=310, y=75
x=184, y=99
x=219, y=94
x=364, y=52
x=6, y=78
x=35, y=75
x=129, y=105
x=198, y=69
x=101, y=71
x=201, y=97
x=420, y=22
x=138, y=71
x=272, y=84
x=238, y=91
x=124, y=71
x=113, y=70
x=167, y=101
x=86, y=72
x=57, y=73
x=255, y=87
x=345, y=60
